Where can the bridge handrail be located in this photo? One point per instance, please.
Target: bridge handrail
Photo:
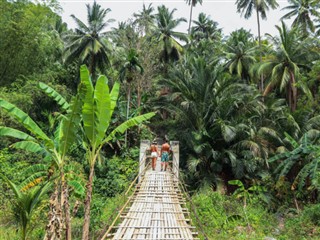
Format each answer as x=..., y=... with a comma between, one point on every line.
x=139, y=174
x=124, y=196
x=183, y=186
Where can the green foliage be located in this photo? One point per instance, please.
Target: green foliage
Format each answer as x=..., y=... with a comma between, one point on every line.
x=25, y=203
x=223, y=217
x=55, y=95
x=304, y=157
x=246, y=194
x=226, y=129
x=28, y=43
x=303, y=11
x=24, y=119
x=86, y=44
x=113, y=177
x=303, y=226
x=131, y=64
x=164, y=32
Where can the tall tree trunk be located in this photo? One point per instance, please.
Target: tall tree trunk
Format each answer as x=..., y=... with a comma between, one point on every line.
x=24, y=232
x=139, y=94
x=128, y=109
x=86, y=224
x=92, y=68
x=289, y=96
x=65, y=203
x=260, y=50
x=54, y=227
x=189, y=29
x=293, y=89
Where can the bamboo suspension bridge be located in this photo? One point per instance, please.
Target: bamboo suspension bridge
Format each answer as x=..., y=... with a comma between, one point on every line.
x=156, y=208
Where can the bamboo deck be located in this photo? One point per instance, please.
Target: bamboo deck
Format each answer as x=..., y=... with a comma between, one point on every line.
x=157, y=211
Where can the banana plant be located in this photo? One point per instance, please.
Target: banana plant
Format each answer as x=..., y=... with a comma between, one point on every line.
x=25, y=202
x=245, y=194
x=98, y=107
x=54, y=148
x=303, y=155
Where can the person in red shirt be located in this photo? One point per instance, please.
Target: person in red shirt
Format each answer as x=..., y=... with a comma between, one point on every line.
x=154, y=154
x=165, y=149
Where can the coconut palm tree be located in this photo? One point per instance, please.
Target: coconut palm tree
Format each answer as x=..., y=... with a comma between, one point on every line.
x=145, y=18
x=192, y=3
x=165, y=32
x=86, y=44
x=124, y=36
x=317, y=27
x=246, y=7
x=283, y=67
x=205, y=28
x=240, y=59
x=303, y=11
x=241, y=35
x=240, y=53
x=131, y=65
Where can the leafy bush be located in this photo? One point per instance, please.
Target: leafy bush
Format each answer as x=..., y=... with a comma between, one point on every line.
x=224, y=217
x=114, y=176
x=306, y=225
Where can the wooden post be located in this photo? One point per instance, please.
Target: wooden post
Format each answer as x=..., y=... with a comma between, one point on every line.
x=144, y=145
x=176, y=156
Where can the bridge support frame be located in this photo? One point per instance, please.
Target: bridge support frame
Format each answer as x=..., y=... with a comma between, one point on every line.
x=144, y=146
x=175, y=158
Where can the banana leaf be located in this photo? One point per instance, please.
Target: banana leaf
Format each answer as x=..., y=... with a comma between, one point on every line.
x=55, y=95
x=26, y=120
x=11, y=132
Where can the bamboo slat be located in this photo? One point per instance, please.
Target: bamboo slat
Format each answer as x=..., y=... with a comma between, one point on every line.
x=156, y=211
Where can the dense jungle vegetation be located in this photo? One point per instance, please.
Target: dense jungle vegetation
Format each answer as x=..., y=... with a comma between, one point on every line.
x=245, y=109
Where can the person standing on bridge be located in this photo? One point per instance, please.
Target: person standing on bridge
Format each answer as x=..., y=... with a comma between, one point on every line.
x=165, y=149
x=154, y=154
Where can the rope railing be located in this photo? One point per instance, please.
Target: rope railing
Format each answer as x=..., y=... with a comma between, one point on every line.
x=124, y=195
x=183, y=187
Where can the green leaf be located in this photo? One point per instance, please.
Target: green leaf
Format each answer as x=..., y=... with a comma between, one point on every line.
x=291, y=140
x=236, y=183
x=228, y=132
x=128, y=124
x=24, y=118
x=11, y=132
x=12, y=185
x=257, y=189
x=88, y=113
x=70, y=125
x=114, y=97
x=38, y=195
x=33, y=177
x=28, y=146
x=102, y=108
x=55, y=95
x=77, y=187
